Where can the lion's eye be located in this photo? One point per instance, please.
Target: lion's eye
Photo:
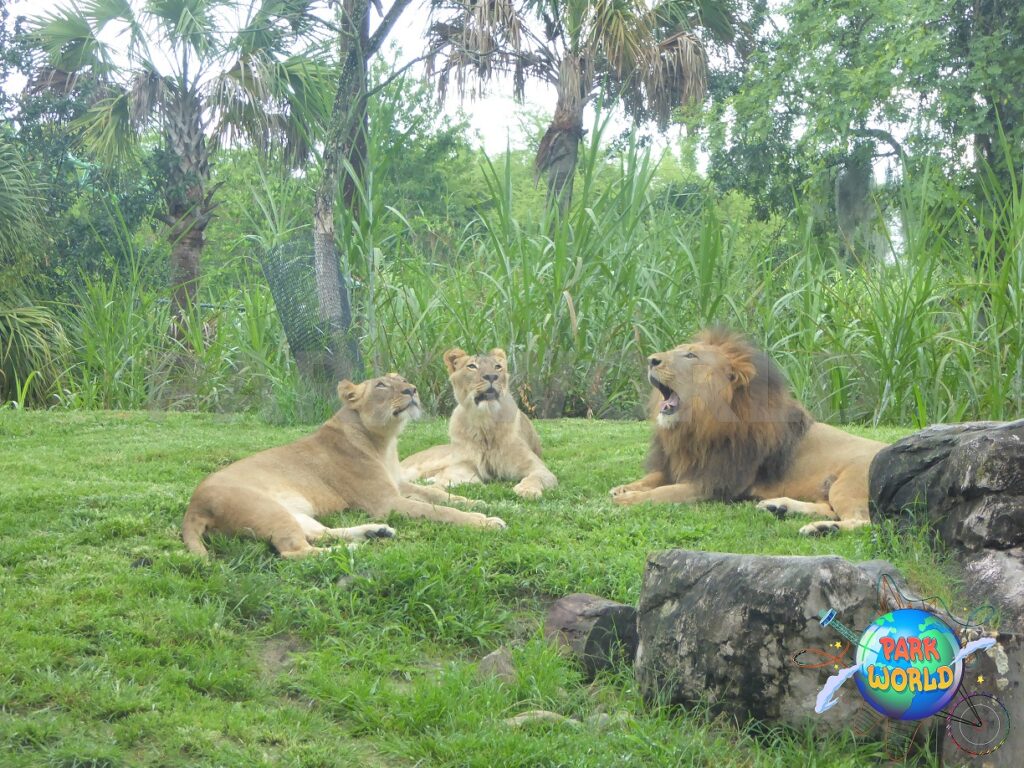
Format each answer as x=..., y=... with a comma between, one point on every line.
x=690, y=354
x=497, y=367
x=472, y=366
x=381, y=385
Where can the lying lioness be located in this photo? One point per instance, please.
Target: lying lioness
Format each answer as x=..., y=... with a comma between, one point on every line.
x=350, y=462
x=491, y=439
x=726, y=428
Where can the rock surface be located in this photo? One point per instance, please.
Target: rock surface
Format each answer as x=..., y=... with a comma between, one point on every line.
x=498, y=665
x=965, y=481
x=725, y=628
x=596, y=632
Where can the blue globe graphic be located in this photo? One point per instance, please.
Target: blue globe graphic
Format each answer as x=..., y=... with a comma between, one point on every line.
x=912, y=703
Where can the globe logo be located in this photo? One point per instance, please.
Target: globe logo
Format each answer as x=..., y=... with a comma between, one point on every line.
x=908, y=666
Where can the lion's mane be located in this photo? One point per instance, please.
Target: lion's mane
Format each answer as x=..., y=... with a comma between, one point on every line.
x=724, y=457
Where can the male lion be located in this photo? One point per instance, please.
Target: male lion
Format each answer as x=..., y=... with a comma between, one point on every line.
x=726, y=428
x=490, y=437
x=350, y=462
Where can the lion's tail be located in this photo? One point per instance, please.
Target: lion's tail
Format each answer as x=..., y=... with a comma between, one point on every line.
x=193, y=527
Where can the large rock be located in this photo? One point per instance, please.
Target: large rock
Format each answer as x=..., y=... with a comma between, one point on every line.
x=965, y=481
x=995, y=682
x=995, y=577
x=725, y=628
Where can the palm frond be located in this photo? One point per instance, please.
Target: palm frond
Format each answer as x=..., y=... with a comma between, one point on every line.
x=70, y=41
x=273, y=25
x=676, y=74
x=270, y=101
x=188, y=22
x=100, y=12
x=147, y=90
x=32, y=349
x=482, y=39
x=108, y=129
x=19, y=202
x=620, y=31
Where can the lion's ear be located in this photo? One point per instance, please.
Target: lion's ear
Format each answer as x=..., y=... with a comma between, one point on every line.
x=348, y=392
x=499, y=353
x=742, y=372
x=452, y=357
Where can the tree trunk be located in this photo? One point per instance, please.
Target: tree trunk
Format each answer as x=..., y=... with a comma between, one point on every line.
x=186, y=252
x=341, y=358
x=188, y=204
x=558, y=152
x=345, y=140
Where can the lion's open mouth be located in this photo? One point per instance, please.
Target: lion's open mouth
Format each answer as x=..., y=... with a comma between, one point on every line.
x=670, y=402
x=488, y=394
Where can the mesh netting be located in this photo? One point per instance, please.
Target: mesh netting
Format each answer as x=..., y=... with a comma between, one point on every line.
x=290, y=273
x=323, y=343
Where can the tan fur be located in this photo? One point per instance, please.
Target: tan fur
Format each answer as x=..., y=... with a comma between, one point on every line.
x=491, y=439
x=350, y=462
x=726, y=428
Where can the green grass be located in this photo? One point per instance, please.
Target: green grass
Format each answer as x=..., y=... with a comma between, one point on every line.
x=120, y=649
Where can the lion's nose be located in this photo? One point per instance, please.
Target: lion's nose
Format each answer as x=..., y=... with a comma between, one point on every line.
x=492, y=377
x=655, y=362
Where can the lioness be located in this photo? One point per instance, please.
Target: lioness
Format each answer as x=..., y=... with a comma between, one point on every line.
x=491, y=439
x=350, y=462
x=726, y=428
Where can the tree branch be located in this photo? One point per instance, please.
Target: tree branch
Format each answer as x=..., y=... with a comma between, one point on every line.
x=881, y=135
x=401, y=71
x=384, y=28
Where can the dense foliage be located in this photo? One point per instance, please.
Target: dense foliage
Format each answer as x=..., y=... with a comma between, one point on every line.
x=888, y=300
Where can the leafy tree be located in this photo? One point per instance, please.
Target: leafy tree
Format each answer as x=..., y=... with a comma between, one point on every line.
x=921, y=81
x=181, y=69
x=649, y=56
x=420, y=157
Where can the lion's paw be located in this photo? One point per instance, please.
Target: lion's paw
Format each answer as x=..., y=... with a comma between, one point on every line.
x=370, y=531
x=630, y=497
x=527, y=490
x=776, y=506
x=464, y=501
x=495, y=522
x=618, y=490
x=820, y=528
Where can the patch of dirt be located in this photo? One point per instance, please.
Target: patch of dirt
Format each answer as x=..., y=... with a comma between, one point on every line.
x=275, y=654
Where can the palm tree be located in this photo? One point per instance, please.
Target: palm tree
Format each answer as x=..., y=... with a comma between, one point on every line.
x=194, y=72
x=648, y=55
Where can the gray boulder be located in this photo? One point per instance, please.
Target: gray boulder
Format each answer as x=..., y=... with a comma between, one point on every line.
x=724, y=629
x=965, y=481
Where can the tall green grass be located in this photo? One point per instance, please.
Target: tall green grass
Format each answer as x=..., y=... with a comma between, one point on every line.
x=32, y=348
x=230, y=354
x=934, y=332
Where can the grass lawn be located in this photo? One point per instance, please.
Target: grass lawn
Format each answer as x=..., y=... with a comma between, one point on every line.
x=118, y=648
